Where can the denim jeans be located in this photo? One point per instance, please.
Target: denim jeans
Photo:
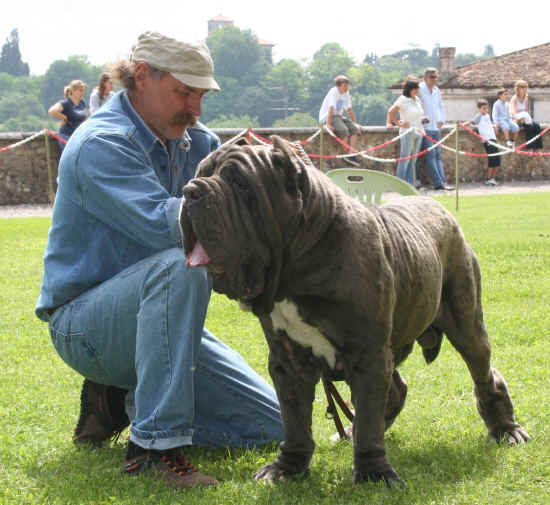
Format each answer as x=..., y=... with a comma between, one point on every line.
x=143, y=330
x=433, y=158
x=410, y=144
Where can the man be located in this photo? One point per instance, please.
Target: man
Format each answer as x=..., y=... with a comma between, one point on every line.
x=123, y=309
x=435, y=112
x=336, y=102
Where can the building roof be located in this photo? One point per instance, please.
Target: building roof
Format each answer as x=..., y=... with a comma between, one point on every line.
x=219, y=18
x=531, y=65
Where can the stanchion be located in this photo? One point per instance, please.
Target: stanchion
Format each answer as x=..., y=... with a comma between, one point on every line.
x=51, y=193
x=322, y=148
x=415, y=160
x=457, y=178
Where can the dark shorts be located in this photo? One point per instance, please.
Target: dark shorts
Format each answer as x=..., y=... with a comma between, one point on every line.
x=492, y=161
x=344, y=127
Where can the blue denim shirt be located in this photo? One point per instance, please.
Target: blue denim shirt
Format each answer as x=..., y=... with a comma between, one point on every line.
x=118, y=199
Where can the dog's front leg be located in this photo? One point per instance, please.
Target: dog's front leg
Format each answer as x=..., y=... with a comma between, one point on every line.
x=369, y=375
x=294, y=375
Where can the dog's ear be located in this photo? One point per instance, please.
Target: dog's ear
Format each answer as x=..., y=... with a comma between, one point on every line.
x=287, y=160
x=241, y=141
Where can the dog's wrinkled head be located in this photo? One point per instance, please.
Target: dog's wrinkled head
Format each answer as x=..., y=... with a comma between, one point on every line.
x=239, y=212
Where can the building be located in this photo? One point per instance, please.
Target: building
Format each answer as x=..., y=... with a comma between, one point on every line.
x=222, y=22
x=218, y=22
x=462, y=86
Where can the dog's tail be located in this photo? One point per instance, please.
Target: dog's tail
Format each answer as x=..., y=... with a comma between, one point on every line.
x=430, y=341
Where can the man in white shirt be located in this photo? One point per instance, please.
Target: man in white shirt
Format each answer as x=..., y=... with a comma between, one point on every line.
x=433, y=109
x=336, y=102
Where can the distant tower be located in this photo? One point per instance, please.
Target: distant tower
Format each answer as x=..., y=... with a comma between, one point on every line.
x=218, y=22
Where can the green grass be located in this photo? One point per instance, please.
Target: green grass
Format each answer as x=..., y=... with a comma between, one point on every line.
x=438, y=444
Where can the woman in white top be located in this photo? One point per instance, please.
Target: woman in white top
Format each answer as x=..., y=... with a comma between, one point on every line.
x=411, y=114
x=519, y=103
x=102, y=93
x=519, y=110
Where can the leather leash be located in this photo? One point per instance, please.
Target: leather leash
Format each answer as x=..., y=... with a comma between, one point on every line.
x=332, y=412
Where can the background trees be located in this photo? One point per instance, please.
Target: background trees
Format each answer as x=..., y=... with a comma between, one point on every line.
x=255, y=91
x=10, y=60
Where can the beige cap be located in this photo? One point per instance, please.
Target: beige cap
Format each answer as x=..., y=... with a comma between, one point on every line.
x=190, y=64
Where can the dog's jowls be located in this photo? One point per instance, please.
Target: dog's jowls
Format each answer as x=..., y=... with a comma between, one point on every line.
x=339, y=288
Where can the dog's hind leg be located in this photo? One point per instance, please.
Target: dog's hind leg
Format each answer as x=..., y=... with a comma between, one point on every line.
x=396, y=398
x=462, y=322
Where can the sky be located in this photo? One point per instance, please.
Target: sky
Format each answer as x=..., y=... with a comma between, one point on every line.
x=105, y=30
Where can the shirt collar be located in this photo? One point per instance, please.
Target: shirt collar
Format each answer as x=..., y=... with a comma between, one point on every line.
x=146, y=135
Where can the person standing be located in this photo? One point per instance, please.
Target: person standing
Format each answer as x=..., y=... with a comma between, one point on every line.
x=102, y=92
x=430, y=96
x=411, y=114
x=123, y=308
x=71, y=111
x=485, y=128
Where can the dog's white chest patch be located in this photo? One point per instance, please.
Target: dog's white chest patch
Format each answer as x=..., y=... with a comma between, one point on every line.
x=285, y=317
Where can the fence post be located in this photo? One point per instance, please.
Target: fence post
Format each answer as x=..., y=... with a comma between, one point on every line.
x=457, y=178
x=51, y=193
x=322, y=148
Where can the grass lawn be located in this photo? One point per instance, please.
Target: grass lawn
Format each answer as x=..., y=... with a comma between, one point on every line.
x=438, y=444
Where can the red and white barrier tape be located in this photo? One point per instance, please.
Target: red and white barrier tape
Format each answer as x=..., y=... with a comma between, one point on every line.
x=24, y=141
x=55, y=136
x=354, y=153
x=518, y=150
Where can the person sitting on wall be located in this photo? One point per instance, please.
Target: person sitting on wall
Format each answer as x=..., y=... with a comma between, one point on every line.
x=501, y=116
x=336, y=103
x=519, y=110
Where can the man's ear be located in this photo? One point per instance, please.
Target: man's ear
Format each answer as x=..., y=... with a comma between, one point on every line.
x=141, y=74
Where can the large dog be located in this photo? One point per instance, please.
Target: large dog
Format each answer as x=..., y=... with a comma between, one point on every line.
x=341, y=289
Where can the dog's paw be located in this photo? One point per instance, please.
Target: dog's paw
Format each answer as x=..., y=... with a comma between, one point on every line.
x=388, y=476
x=274, y=473
x=511, y=435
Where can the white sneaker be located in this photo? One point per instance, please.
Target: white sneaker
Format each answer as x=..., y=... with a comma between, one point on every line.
x=510, y=144
x=492, y=182
x=487, y=182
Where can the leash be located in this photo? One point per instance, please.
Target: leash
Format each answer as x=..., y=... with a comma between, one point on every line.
x=332, y=412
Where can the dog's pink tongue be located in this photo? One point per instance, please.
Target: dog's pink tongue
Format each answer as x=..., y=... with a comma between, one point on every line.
x=198, y=256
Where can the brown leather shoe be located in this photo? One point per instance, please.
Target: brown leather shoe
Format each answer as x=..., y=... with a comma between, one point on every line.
x=170, y=465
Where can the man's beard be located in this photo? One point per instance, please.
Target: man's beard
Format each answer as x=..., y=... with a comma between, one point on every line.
x=184, y=119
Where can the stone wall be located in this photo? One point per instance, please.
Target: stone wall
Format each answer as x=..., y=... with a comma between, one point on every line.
x=24, y=175
x=24, y=170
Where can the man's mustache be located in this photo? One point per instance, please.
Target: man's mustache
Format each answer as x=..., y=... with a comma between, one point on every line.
x=184, y=119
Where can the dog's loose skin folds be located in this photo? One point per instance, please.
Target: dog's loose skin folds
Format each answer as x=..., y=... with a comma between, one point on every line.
x=342, y=288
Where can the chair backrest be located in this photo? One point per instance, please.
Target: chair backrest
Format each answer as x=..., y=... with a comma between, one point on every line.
x=368, y=186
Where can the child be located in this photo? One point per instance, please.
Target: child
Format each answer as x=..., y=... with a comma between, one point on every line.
x=336, y=103
x=501, y=116
x=483, y=122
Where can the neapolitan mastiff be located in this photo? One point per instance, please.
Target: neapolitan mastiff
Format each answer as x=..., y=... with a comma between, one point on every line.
x=339, y=288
